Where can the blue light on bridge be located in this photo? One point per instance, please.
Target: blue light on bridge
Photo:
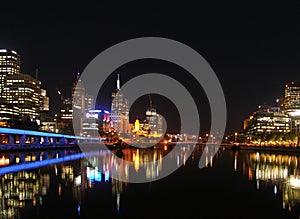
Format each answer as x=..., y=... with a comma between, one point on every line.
x=38, y=164
x=42, y=134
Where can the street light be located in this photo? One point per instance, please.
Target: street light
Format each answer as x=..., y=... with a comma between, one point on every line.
x=235, y=136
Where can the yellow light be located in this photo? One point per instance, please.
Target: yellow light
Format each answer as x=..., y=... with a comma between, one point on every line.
x=4, y=161
x=137, y=161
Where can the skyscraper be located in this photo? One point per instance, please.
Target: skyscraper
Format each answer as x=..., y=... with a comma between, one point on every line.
x=9, y=65
x=292, y=104
x=44, y=101
x=65, y=117
x=160, y=125
x=292, y=99
x=82, y=104
x=78, y=94
x=23, y=91
x=120, y=111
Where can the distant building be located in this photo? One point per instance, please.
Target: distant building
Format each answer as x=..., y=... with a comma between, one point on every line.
x=9, y=65
x=155, y=122
x=292, y=105
x=49, y=124
x=96, y=122
x=44, y=101
x=160, y=124
x=88, y=102
x=82, y=104
x=267, y=120
x=23, y=91
x=90, y=124
x=78, y=100
x=78, y=94
x=9, y=113
x=120, y=111
x=65, y=117
x=151, y=116
x=104, y=122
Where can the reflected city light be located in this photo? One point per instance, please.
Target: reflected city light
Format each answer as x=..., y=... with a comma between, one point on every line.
x=294, y=181
x=235, y=161
x=277, y=168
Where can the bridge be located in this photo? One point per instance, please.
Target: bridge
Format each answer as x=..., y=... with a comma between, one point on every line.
x=19, y=137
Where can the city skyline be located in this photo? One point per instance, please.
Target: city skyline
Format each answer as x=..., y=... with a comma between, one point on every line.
x=253, y=56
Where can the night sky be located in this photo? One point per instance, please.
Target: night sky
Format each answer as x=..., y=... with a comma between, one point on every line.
x=253, y=54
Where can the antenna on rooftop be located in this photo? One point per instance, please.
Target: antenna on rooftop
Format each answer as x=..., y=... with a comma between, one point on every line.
x=36, y=73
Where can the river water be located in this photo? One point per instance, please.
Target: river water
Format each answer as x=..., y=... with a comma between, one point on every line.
x=234, y=184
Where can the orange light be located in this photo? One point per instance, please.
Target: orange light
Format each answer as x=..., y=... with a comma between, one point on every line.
x=4, y=161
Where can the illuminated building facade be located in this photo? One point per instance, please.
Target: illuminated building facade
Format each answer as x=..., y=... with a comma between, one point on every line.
x=65, y=117
x=88, y=102
x=78, y=97
x=90, y=123
x=44, y=101
x=104, y=122
x=82, y=103
x=9, y=65
x=292, y=104
x=8, y=114
x=151, y=116
x=267, y=120
x=160, y=124
x=120, y=111
x=96, y=122
x=78, y=94
x=47, y=122
x=23, y=91
x=155, y=122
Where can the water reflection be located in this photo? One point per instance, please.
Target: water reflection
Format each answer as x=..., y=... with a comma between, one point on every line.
x=30, y=180
x=140, y=162
x=279, y=171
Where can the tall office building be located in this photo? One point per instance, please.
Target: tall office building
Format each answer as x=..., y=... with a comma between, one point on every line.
x=160, y=125
x=104, y=122
x=9, y=65
x=292, y=99
x=44, y=101
x=78, y=98
x=78, y=95
x=23, y=91
x=65, y=116
x=88, y=102
x=120, y=111
x=9, y=113
x=292, y=105
x=82, y=104
x=151, y=116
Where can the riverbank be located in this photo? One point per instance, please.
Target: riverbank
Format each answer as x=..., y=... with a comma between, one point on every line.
x=19, y=148
x=279, y=149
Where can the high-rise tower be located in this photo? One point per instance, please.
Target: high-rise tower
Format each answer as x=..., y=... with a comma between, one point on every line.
x=292, y=105
x=120, y=111
x=9, y=65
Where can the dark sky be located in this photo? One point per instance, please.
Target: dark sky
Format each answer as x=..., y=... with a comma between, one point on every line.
x=253, y=53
